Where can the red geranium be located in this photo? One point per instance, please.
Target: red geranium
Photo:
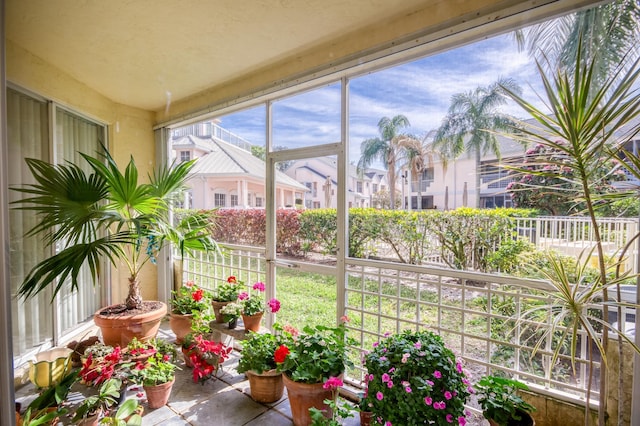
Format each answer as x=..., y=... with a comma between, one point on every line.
x=281, y=354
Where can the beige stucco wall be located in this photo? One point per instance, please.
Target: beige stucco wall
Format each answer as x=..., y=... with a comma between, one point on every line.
x=130, y=129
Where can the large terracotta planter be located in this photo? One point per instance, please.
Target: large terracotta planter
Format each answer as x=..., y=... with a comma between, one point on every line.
x=121, y=328
x=50, y=367
x=266, y=387
x=252, y=322
x=303, y=396
x=180, y=325
x=216, y=310
x=158, y=395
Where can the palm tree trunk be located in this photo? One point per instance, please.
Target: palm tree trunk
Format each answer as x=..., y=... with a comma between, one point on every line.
x=478, y=167
x=392, y=183
x=134, y=298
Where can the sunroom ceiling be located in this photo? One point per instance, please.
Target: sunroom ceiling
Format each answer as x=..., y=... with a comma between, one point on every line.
x=144, y=53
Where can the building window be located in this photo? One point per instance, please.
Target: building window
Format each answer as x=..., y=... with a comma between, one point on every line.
x=359, y=187
x=374, y=187
x=234, y=200
x=185, y=156
x=219, y=200
x=316, y=204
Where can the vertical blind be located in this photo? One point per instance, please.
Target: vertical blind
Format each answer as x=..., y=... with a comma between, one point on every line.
x=38, y=321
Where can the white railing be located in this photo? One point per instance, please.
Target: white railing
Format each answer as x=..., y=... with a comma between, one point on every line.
x=574, y=236
x=475, y=314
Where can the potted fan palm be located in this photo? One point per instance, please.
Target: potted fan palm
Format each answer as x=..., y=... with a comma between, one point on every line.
x=105, y=214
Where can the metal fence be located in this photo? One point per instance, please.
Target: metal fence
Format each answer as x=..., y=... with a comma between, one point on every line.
x=475, y=314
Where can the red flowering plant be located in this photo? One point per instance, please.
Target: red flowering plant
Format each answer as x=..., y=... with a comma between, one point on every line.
x=316, y=354
x=207, y=356
x=227, y=291
x=97, y=369
x=190, y=298
x=413, y=375
x=253, y=302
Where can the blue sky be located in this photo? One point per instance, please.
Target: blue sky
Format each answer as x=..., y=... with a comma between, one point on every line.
x=421, y=90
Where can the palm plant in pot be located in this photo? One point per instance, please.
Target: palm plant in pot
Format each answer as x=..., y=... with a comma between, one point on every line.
x=500, y=402
x=107, y=214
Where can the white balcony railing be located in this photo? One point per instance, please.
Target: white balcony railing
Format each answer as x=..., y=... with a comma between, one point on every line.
x=475, y=314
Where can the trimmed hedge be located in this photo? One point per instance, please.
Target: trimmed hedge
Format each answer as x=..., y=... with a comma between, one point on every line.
x=464, y=238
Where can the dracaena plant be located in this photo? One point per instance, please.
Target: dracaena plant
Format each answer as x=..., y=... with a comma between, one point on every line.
x=106, y=214
x=588, y=123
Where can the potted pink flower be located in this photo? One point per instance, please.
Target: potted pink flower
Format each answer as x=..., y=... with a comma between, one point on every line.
x=253, y=306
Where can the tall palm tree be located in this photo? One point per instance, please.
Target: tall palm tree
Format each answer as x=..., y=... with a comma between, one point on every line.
x=471, y=121
x=418, y=157
x=385, y=148
x=608, y=32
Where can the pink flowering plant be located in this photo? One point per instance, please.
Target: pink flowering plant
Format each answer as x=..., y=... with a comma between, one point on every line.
x=253, y=302
x=336, y=411
x=413, y=376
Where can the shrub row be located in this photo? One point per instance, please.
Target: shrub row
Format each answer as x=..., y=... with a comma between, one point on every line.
x=464, y=238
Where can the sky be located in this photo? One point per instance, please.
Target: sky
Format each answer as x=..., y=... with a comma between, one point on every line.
x=421, y=90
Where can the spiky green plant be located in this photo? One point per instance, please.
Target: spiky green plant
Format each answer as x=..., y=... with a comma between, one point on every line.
x=587, y=123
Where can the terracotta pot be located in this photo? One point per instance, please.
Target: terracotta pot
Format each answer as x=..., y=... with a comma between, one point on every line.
x=252, y=322
x=216, y=310
x=180, y=325
x=90, y=420
x=303, y=396
x=187, y=360
x=366, y=418
x=121, y=328
x=158, y=395
x=266, y=387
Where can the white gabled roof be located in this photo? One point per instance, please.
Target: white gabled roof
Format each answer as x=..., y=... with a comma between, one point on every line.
x=224, y=159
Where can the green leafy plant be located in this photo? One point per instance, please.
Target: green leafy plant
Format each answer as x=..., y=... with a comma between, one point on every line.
x=189, y=299
x=500, y=401
x=107, y=396
x=126, y=415
x=258, y=352
x=315, y=354
x=412, y=376
x=106, y=214
x=54, y=395
x=157, y=369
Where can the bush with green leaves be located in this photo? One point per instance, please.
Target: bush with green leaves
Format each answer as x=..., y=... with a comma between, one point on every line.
x=499, y=399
